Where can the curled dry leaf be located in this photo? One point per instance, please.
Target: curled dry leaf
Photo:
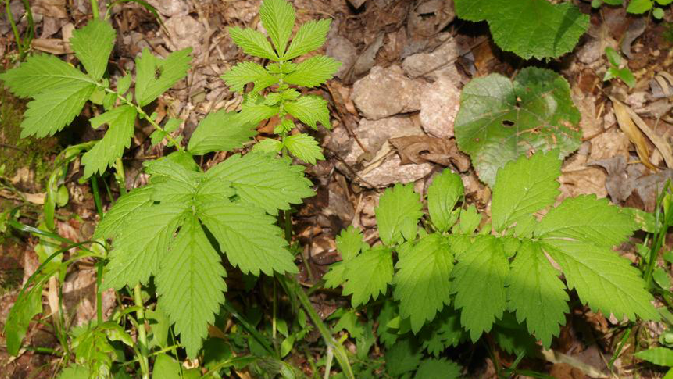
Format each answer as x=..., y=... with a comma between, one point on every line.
x=627, y=125
x=425, y=149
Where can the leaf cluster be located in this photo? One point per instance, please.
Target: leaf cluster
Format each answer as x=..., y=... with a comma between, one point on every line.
x=486, y=270
x=281, y=75
x=234, y=202
x=60, y=91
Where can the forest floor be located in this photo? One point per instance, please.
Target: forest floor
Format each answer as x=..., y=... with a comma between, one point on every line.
x=393, y=104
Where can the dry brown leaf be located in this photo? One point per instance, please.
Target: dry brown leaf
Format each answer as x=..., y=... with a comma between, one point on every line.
x=425, y=149
x=660, y=142
x=631, y=130
x=51, y=45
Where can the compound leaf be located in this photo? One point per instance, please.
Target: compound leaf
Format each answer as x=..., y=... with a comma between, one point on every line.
x=248, y=236
x=278, y=20
x=604, y=280
x=253, y=43
x=368, y=275
x=422, y=283
x=264, y=181
x=116, y=139
x=137, y=256
x=443, y=194
x=309, y=37
x=74, y=372
x=536, y=293
x=221, y=131
x=350, y=243
x=479, y=283
x=398, y=213
x=529, y=28
x=248, y=72
x=155, y=76
x=92, y=45
x=313, y=71
x=253, y=113
x=310, y=110
x=500, y=120
x=190, y=285
x=52, y=110
x=523, y=187
x=41, y=73
x=304, y=147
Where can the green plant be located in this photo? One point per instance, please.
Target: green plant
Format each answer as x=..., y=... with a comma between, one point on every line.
x=617, y=69
x=638, y=6
x=177, y=227
x=528, y=28
x=501, y=119
x=500, y=273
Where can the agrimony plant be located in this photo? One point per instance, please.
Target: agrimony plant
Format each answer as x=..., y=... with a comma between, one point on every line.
x=511, y=264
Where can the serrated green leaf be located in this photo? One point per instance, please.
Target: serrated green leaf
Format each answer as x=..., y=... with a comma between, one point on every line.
x=402, y=358
x=264, y=181
x=248, y=236
x=22, y=312
x=278, y=20
x=422, y=283
x=529, y=28
x=41, y=73
x=313, y=71
x=221, y=131
x=54, y=109
x=604, y=280
x=165, y=367
x=127, y=205
x=639, y=6
x=524, y=187
x=92, y=45
x=445, y=331
x=500, y=120
x=124, y=83
x=117, y=138
x=479, y=283
x=398, y=213
x=536, y=293
x=310, y=110
x=304, y=147
x=190, y=285
x=154, y=76
x=335, y=276
x=443, y=194
x=75, y=372
x=253, y=43
x=350, y=242
x=368, y=275
x=468, y=220
x=589, y=219
x=174, y=181
x=248, y=72
x=137, y=256
x=660, y=356
x=268, y=146
x=253, y=113
x=310, y=36
x=438, y=369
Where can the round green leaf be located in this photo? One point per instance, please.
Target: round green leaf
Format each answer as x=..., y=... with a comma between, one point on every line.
x=499, y=119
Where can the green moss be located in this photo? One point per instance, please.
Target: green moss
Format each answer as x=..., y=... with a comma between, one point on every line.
x=17, y=152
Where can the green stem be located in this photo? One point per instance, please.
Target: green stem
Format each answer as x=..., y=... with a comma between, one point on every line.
x=142, y=114
x=337, y=349
x=94, y=9
x=15, y=30
x=99, y=291
x=120, y=176
x=142, y=334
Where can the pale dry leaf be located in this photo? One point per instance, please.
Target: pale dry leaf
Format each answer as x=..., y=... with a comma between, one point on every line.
x=627, y=125
x=660, y=142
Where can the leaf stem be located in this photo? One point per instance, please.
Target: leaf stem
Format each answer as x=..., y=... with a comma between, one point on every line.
x=142, y=114
x=142, y=334
x=94, y=9
x=15, y=30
